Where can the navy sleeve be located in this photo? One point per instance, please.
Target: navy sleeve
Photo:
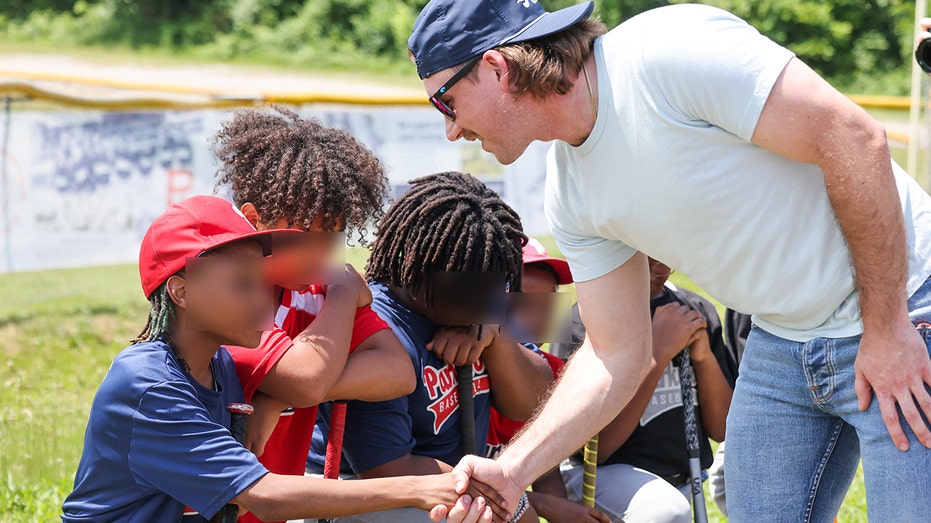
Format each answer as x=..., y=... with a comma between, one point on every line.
x=177, y=449
x=376, y=433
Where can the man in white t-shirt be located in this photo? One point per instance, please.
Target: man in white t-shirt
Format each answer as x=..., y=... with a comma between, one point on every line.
x=687, y=136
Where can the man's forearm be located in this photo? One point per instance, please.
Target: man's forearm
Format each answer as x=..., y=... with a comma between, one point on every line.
x=863, y=193
x=592, y=390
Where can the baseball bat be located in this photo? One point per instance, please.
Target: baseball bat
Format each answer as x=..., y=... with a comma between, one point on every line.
x=589, y=471
x=686, y=382
x=239, y=415
x=334, y=444
x=466, y=409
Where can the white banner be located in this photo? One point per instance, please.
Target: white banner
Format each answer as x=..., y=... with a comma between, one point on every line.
x=81, y=187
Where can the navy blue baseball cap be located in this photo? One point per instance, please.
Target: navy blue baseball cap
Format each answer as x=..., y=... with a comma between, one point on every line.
x=449, y=32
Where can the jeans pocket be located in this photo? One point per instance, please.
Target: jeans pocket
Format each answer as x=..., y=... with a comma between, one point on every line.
x=820, y=368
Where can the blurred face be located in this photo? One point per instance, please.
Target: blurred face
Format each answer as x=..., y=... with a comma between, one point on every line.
x=227, y=294
x=296, y=263
x=484, y=108
x=659, y=273
x=532, y=311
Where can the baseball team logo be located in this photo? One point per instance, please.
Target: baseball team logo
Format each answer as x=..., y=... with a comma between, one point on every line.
x=442, y=390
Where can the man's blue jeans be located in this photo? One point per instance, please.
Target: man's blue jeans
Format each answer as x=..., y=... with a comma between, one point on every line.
x=795, y=436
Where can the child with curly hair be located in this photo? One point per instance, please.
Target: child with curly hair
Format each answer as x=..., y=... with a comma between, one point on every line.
x=288, y=172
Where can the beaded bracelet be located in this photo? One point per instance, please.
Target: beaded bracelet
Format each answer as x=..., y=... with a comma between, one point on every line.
x=521, y=508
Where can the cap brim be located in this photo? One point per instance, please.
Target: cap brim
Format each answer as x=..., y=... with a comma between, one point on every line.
x=559, y=266
x=265, y=238
x=554, y=22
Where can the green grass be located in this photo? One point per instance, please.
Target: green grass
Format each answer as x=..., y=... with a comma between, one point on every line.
x=60, y=330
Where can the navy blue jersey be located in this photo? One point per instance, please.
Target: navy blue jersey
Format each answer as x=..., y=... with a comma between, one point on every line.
x=423, y=423
x=158, y=440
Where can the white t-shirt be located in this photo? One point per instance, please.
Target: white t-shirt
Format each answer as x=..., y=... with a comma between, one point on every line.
x=669, y=170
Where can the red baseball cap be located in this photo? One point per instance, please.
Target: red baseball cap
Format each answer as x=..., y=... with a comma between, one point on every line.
x=535, y=252
x=188, y=229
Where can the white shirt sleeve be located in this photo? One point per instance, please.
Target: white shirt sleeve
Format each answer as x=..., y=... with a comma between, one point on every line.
x=711, y=67
x=589, y=254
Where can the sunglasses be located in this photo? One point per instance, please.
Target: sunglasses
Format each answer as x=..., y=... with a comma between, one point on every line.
x=440, y=105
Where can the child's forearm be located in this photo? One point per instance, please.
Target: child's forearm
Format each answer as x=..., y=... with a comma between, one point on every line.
x=280, y=497
x=316, y=359
x=378, y=370
x=519, y=378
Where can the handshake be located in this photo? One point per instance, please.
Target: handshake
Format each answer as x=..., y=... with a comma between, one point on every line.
x=484, y=492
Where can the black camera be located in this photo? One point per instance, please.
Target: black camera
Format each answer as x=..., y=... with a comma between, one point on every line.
x=923, y=55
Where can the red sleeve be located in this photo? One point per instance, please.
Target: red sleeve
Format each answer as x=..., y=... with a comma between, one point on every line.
x=252, y=365
x=367, y=323
x=556, y=363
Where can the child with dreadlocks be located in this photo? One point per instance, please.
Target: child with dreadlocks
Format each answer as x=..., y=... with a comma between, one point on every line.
x=445, y=224
x=157, y=439
x=289, y=172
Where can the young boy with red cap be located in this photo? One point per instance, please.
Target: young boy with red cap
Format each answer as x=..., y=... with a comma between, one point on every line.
x=157, y=439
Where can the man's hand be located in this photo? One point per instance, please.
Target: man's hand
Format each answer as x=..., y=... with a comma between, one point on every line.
x=262, y=422
x=674, y=328
x=492, y=475
x=462, y=345
x=349, y=280
x=895, y=366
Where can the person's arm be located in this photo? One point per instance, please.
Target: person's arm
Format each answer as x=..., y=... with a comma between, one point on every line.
x=615, y=434
x=551, y=501
x=518, y=377
x=379, y=369
x=807, y=120
x=714, y=391
x=413, y=465
x=599, y=380
x=262, y=422
x=556, y=509
x=674, y=325
x=408, y=464
x=306, y=372
x=277, y=497
x=552, y=484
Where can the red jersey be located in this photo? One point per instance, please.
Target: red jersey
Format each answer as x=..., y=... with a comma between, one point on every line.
x=286, y=450
x=500, y=429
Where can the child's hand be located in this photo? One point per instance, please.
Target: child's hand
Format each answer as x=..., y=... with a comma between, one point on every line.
x=700, y=347
x=466, y=510
x=462, y=345
x=562, y=510
x=674, y=326
x=350, y=280
x=262, y=422
x=436, y=493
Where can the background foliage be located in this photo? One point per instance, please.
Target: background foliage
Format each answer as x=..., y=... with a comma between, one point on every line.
x=859, y=45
